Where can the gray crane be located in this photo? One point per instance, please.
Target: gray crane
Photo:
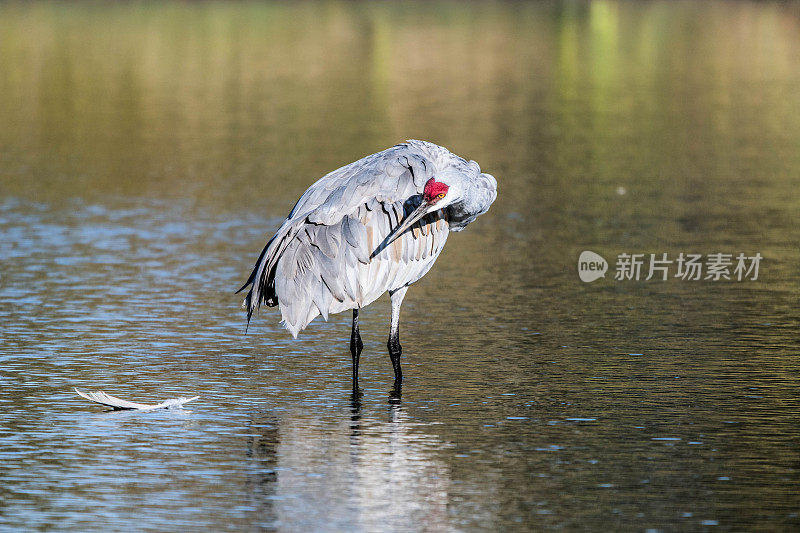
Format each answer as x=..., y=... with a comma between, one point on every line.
x=372, y=226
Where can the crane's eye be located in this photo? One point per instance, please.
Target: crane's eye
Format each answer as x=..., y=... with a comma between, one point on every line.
x=440, y=195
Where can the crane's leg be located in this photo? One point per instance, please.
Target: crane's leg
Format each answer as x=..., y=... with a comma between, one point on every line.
x=355, y=347
x=394, y=335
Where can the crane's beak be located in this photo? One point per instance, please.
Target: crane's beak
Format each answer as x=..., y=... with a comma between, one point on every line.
x=409, y=221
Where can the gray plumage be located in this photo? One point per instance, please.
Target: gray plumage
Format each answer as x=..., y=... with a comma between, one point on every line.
x=335, y=251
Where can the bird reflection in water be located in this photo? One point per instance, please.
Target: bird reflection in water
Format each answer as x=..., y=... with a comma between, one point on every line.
x=388, y=466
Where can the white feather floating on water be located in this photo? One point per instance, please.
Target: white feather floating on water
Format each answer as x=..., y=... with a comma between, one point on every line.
x=119, y=404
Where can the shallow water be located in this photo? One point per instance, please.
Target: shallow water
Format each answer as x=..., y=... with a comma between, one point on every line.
x=149, y=150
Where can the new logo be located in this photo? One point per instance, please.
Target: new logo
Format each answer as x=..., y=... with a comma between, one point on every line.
x=591, y=266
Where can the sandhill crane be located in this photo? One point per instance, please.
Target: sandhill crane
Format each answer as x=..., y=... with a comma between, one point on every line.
x=372, y=226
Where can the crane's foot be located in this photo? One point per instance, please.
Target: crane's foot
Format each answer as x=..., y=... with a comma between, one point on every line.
x=395, y=351
x=396, y=394
x=355, y=401
x=356, y=389
x=394, y=354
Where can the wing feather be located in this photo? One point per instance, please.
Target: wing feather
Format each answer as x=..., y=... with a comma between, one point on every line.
x=322, y=298
x=119, y=404
x=389, y=176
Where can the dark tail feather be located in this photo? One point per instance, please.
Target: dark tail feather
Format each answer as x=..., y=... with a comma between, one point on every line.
x=249, y=309
x=259, y=288
x=252, y=277
x=247, y=284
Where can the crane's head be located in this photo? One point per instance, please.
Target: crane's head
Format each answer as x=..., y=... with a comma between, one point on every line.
x=438, y=194
x=434, y=191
